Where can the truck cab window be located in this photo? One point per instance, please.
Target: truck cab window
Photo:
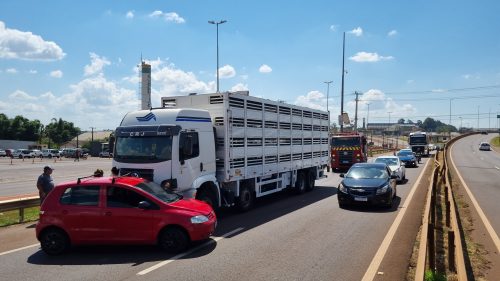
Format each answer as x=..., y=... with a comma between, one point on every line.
x=188, y=145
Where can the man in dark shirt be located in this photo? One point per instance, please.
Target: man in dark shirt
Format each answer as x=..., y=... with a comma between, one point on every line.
x=45, y=183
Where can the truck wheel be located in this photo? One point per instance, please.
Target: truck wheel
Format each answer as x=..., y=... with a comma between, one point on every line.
x=54, y=241
x=300, y=184
x=246, y=199
x=207, y=197
x=173, y=240
x=311, y=181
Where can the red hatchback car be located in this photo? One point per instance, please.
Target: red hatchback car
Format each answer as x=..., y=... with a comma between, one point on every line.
x=120, y=210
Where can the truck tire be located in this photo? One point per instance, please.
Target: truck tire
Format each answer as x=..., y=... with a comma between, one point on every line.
x=246, y=199
x=311, y=181
x=300, y=184
x=208, y=197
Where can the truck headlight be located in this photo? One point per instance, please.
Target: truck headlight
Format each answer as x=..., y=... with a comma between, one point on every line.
x=383, y=189
x=342, y=188
x=199, y=219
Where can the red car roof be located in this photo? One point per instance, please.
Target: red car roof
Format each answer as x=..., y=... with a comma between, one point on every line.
x=104, y=180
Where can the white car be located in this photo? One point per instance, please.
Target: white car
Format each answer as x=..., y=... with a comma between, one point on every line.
x=484, y=146
x=49, y=153
x=36, y=153
x=397, y=167
x=3, y=153
x=22, y=153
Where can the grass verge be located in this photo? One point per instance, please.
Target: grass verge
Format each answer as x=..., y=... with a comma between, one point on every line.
x=12, y=217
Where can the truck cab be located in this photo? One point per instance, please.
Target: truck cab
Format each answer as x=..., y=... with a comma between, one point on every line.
x=173, y=147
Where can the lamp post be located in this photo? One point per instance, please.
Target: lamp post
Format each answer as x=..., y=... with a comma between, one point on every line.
x=217, y=25
x=342, y=91
x=327, y=95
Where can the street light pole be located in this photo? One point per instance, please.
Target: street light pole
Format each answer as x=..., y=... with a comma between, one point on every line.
x=342, y=92
x=327, y=95
x=217, y=25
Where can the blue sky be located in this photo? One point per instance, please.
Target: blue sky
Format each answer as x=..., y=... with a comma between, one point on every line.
x=77, y=60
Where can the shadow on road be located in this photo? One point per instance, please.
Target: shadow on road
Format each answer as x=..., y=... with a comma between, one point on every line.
x=266, y=209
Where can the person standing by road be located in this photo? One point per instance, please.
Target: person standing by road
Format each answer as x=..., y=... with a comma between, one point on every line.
x=45, y=183
x=77, y=155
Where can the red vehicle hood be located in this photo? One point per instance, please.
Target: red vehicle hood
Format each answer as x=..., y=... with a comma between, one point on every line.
x=193, y=205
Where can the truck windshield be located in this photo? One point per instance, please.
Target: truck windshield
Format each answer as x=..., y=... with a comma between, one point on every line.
x=143, y=149
x=418, y=140
x=345, y=141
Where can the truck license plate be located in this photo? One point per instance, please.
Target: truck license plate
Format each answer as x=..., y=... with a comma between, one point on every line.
x=362, y=199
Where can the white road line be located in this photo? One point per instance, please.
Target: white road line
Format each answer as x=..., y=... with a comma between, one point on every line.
x=497, y=168
x=480, y=212
x=19, y=249
x=382, y=250
x=158, y=265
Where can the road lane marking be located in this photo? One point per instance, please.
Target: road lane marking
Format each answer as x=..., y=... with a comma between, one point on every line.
x=19, y=249
x=181, y=255
x=497, y=168
x=480, y=212
x=382, y=250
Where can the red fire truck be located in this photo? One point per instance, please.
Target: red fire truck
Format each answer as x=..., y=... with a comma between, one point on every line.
x=347, y=149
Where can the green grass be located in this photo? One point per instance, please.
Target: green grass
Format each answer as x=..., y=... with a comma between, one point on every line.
x=12, y=217
x=495, y=141
x=434, y=276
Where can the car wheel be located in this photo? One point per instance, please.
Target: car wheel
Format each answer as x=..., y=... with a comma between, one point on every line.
x=50, y=156
x=246, y=199
x=311, y=181
x=300, y=184
x=173, y=240
x=342, y=205
x=54, y=241
x=404, y=177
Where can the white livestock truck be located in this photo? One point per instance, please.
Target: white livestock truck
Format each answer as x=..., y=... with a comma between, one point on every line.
x=224, y=148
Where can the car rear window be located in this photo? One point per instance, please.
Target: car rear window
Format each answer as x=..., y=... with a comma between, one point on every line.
x=81, y=195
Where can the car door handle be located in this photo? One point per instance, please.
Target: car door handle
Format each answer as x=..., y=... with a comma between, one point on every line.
x=108, y=213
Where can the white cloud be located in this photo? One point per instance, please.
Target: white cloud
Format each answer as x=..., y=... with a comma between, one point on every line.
x=130, y=15
x=265, y=68
x=471, y=76
x=11, y=70
x=226, y=71
x=170, y=17
x=56, y=74
x=21, y=95
x=96, y=65
x=380, y=104
x=239, y=87
x=313, y=99
x=16, y=44
x=392, y=33
x=357, y=31
x=334, y=27
x=369, y=57
x=32, y=71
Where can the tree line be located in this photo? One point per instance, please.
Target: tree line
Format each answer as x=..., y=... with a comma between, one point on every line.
x=20, y=128
x=431, y=125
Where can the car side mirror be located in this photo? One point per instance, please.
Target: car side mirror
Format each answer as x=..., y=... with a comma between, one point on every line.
x=394, y=176
x=144, y=205
x=403, y=164
x=342, y=175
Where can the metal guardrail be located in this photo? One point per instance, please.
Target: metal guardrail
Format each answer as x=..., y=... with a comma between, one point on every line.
x=428, y=248
x=19, y=204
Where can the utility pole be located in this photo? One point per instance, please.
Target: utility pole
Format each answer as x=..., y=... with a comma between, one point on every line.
x=92, y=128
x=356, y=113
x=328, y=97
x=478, y=117
x=342, y=92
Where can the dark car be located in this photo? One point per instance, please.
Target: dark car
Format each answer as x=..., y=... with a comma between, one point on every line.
x=407, y=157
x=371, y=183
x=120, y=210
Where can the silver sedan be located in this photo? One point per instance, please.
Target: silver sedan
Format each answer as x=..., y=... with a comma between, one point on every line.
x=397, y=167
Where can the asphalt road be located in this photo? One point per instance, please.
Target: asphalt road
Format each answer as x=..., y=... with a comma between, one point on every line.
x=481, y=172
x=285, y=237
x=19, y=178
